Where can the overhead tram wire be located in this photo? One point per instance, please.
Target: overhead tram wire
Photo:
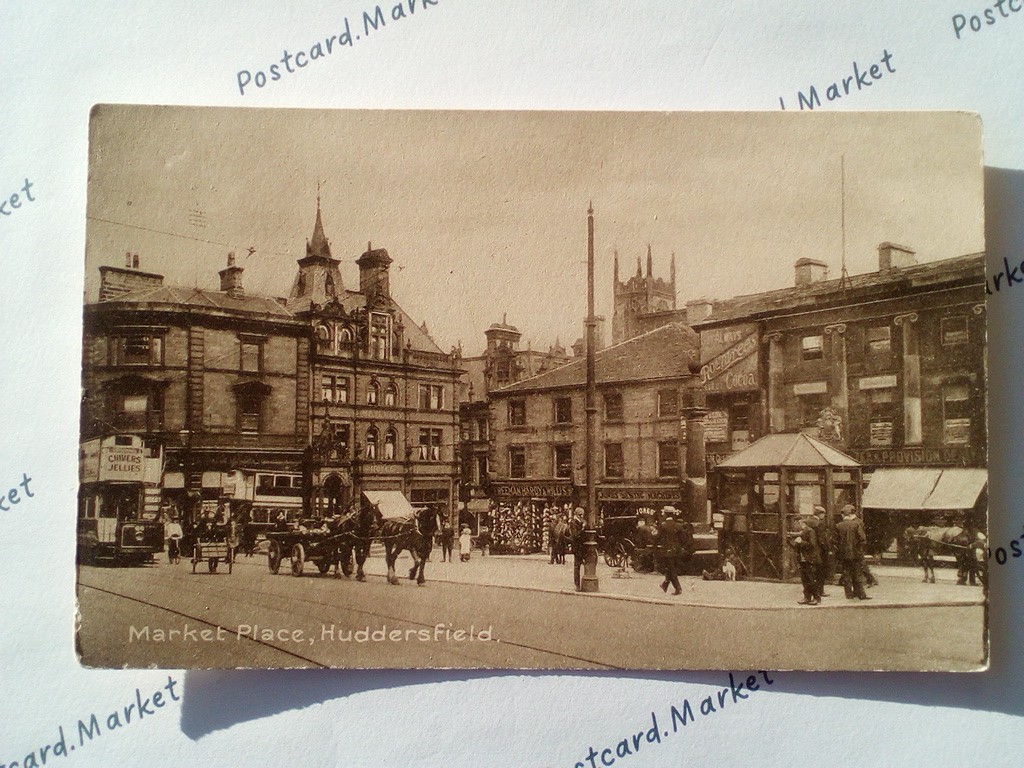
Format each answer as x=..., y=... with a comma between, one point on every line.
x=249, y=251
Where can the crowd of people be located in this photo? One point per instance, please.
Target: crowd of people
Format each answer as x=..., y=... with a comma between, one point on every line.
x=822, y=548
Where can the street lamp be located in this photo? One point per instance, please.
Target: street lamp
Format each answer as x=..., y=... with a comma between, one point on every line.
x=588, y=582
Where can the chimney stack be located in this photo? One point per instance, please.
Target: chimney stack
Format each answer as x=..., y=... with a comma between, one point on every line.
x=892, y=256
x=810, y=271
x=231, y=278
x=698, y=310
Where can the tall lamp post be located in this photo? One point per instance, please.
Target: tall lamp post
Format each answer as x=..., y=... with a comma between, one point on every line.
x=588, y=582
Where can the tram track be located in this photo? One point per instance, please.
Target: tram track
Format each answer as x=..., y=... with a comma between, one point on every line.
x=273, y=600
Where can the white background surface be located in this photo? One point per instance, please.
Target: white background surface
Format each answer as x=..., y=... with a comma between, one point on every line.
x=57, y=59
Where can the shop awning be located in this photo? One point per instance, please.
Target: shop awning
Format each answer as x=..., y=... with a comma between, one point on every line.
x=922, y=488
x=391, y=504
x=478, y=505
x=957, y=488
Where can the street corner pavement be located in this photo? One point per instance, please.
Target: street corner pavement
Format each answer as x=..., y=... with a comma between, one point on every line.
x=898, y=586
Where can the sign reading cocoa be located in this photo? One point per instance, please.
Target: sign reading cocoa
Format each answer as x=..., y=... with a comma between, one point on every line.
x=729, y=359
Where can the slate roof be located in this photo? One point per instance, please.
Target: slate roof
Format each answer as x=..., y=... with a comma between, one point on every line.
x=198, y=297
x=969, y=269
x=663, y=353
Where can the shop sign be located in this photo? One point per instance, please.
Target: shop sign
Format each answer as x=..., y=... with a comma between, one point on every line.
x=652, y=495
x=533, y=490
x=881, y=433
x=947, y=455
x=729, y=359
x=877, y=382
x=716, y=427
x=810, y=388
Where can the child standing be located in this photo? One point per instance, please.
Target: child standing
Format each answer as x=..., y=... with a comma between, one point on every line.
x=465, y=543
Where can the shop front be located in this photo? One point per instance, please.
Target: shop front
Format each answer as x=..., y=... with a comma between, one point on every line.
x=525, y=511
x=898, y=498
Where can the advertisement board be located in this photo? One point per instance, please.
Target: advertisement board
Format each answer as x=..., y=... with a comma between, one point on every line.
x=729, y=359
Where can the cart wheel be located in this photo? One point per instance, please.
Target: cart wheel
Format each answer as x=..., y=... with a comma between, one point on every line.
x=324, y=566
x=298, y=559
x=274, y=556
x=212, y=564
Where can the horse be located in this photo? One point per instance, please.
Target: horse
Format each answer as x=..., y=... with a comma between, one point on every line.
x=926, y=541
x=359, y=527
x=415, y=535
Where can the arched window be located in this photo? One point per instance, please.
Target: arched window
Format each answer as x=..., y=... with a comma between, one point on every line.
x=373, y=393
x=371, y=443
x=390, y=395
x=390, y=444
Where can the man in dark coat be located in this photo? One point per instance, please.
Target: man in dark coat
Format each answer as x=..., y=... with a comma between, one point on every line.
x=808, y=551
x=850, y=542
x=670, y=541
x=826, y=543
x=575, y=534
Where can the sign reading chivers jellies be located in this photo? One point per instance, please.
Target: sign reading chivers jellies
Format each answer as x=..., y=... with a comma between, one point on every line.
x=729, y=360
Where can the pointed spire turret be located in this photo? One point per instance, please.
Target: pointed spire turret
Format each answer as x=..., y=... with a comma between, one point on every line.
x=318, y=245
x=639, y=270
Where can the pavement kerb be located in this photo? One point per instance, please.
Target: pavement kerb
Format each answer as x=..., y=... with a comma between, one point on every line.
x=845, y=605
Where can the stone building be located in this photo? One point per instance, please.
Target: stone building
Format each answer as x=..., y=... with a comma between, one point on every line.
x=303, y=403
x=502, y=362
x=538, y=455
x=216, y=380
x=383, y=407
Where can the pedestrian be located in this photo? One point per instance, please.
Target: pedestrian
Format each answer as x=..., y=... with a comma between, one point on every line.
x=465, y=545
x=808, y=552
x=827, y=544
x=850, y=548
x=670, y=541
x=447, y=540
x=484, y=541
x=552, y=524
x=575, y=534
x=173, y=534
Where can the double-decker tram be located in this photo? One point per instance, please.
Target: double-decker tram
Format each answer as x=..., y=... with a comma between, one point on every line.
x=119, y=500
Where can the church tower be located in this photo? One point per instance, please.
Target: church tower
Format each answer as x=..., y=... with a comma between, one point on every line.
x=640, y=295
x=319, y=277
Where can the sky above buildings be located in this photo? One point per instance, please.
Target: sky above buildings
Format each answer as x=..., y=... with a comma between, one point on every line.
x=485, y=213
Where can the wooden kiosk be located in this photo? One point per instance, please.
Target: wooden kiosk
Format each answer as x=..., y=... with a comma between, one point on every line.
x=759, y=495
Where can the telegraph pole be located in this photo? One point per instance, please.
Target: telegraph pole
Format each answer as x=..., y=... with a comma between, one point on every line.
x=588, y=582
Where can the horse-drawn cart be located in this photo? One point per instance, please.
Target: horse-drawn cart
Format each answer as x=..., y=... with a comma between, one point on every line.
x=321, y=547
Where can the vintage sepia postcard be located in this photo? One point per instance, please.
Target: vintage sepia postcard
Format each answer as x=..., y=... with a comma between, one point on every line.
x=533, y=390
